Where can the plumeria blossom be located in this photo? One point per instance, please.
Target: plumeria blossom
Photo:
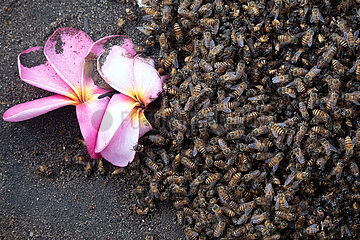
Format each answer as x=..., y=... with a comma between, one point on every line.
x=67, y=74
x=124, y=121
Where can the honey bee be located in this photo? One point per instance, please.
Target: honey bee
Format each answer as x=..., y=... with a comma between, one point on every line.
x=247, y=207
x=316, y=16
x=307, y=39
x=235, y=179
x=171, y=59
x=274, y=162
x=337, y=170
x=287, y=39
x=349, y=147
x=353, y=97
x=314, y=228
x=188, y=163
x=252, y=8
x=281, y=79
x=321, y=115
x=303, y=110
x=261, y=97
x=277, y=131
x=280, y=202
x=356, y=69
x=327, y=146
x=299, y=156
x=208, y=41
x=215, y=51
x=339, y=68
x=314, y=71
x=178, y=32
x=157, y=139
x=351, y=37
x=191, y=234
x=354, y=169
x=312, y=98
x=223, y=146
x=331, y=103
x=327, y=56
x=181, y=203
x=212, y=179
x=154, y=189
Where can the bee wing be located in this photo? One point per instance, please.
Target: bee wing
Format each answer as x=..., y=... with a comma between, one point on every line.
x=195, y=151
x=278, y=79
x=212, y=44
x=290, y=84
x=354, y=141
x=276, y=203
x=289, y=179
x=274, y=133
x=310, y=41
x=321, y=18
x=226, y=100
x=191, y=87
x=332, y=148
x=353, y=68
x=143, y=30
x=175, y=63
x=312, y=18
x=235, y=87
x=275, y=167
x=286, y=203
x=252, y=146
x=356, y=35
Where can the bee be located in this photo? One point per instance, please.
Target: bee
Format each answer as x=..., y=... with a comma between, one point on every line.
x=44, y=171
x=303, y=111
x=261, y=97
x=154, y=189
x=181, y=203
x=239, y=232
x=327, y=56
x=274, y=161
x=287, y=39
x=320, y=130
x=356, y=69
x=351, y=37
x=212, y=179
x=252, y=8
x=354, y=169
x=256, y=219
x=235, y=179
x=101, y=168
x=188, y=163
x=337, y=170
x=312, y=98
x=130, y=14
x=316, y=16
x=205, y=66
x=208, y=42
x=157, y=139
x=314, y=228
x=171, y=59
x=314, y=71
x=236, y=134
x=247, y=207
x=166, y=14
x=191, y=234
x=331, y=103
x=88, y=169
x=280, y=202
x=178, y=32
x=297, y=71
x=307, y=39
x=176, y=189
x=321, y=115
x=277, y=131
x=353, y=97
x=215, y=51
x=298, y=154
x=281, y=79
x=223, y=146
x=163, y=41
x=327, y=146
x=339, y=68
x=349, y=147
x=206, y=10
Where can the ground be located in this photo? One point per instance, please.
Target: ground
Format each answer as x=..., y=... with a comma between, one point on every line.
x=65, y=204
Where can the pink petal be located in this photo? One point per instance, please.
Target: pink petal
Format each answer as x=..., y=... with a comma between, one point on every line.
x=89, y=115
x=116, y=68
x=98, y=48
x=66, y=50
x=25, y=111
x=120, y=151
x=144, y=125
x=43, y=76
x=117, y=110
x=147, y=81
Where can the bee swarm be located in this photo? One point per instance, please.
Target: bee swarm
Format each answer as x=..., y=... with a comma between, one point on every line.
x=258, y=133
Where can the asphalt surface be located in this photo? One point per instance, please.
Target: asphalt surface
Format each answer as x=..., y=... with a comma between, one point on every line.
x=64, y=205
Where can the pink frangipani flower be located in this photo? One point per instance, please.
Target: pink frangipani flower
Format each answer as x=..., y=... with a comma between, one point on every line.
x=67, y=74
x=139, y=84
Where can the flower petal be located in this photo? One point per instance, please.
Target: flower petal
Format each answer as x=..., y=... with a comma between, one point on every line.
x=25, y=111
x=147, y=81
x=117, y=110
x=89, y=115
x=120, y=151
x=43, y=75
x=66, y=50
x=116, y=68
x=144, y=125
x=100, y=46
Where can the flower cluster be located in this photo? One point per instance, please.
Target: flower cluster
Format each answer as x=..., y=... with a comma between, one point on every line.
x=110, y=126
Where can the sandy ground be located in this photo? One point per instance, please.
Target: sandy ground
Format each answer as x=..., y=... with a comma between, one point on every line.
x=65, y=205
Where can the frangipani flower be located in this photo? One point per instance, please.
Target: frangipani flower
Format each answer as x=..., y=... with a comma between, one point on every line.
x=139, y=84
x=66, y=73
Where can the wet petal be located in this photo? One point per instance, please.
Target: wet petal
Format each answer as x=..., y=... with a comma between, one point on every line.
x=25, y=111
x=144, y=125
x=100, y=46
x=89, y=115
x=66, y=50
x=147, y=81
x=117, y=68
x=43, y=75
x=120, y=151
x=117, y=111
